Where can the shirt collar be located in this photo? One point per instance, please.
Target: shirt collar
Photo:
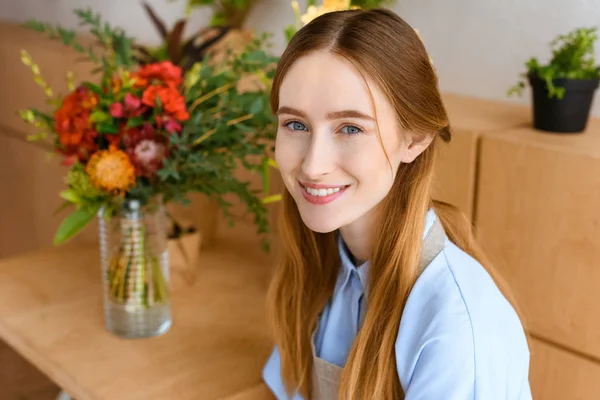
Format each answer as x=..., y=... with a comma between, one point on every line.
x=362, y=270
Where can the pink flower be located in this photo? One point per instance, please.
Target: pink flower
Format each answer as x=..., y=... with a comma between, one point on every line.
x=132, y=102
x=116, y=110
x=147, y=149
x=172, y=126
x=148, y=155
x=69, y=160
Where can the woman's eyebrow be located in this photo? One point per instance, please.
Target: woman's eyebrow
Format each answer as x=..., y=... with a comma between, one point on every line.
x=349, y=114
x=292, y=111
x=331, y=115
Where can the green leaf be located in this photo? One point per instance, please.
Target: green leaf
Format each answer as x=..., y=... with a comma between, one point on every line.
x=71, y=196
x=158, y=107
x=99, y=116
x=107, y=128
x=94, y=88
x=289, y=31
x=133, y=122
x=257, y=106
x=63, y=206
x=73, y=224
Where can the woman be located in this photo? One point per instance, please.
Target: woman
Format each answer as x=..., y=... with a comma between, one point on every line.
x=381, y=293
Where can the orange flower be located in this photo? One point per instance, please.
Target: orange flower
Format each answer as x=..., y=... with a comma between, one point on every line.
x=173, y=103
x=165, y=72
x=116, y=84
x=111, y=170
x=76, y=135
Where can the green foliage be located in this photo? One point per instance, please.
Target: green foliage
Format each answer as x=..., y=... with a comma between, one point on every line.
x=368, y=4
x=79, y=182
x=572, y=58
x=227, y=127
x=114, y=40
x=73, y=224
x=87, y=200
x=229, y=13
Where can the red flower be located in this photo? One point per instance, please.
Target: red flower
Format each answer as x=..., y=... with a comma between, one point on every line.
x=76, y=134
x=164, y=71
x=173, y=102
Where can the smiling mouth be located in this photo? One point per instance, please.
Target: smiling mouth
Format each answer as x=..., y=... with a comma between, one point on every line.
x=322, y=194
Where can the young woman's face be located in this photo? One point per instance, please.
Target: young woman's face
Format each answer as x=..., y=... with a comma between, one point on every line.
x=329, y=153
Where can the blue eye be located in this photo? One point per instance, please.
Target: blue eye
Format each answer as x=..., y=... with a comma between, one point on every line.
x=351, y=130
x=296, y=126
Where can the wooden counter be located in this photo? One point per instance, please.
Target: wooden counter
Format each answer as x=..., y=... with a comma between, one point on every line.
x=51, y=313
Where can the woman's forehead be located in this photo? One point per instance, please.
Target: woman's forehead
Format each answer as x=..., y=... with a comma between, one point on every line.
x=321, y=82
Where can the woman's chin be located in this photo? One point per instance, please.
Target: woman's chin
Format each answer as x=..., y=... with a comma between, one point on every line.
x=320, y=225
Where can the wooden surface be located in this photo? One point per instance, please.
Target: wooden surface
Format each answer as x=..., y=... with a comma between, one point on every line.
x=18, y=89
x=51, y=313
x=32, y=182
x=19, y=380
x=478, y=115
x=258, y=392
x=560, y=375
x=26, y=172
x=538, y=212
x=456, y=166
x=455, y=170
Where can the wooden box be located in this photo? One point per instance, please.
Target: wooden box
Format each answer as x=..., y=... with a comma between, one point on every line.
x=456, y=167
x=538, y=214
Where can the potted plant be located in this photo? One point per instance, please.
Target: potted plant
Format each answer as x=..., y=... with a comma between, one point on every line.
x=563, y=89
x=139, y=137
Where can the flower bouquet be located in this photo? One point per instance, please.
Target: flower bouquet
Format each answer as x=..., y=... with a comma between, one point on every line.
x=139, y=137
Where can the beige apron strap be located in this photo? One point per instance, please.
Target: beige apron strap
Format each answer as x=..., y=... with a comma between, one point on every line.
x=433, y=244
x=325, y=380
x=326, y=376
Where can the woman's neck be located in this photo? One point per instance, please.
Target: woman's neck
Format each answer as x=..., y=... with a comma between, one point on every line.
x=358, y=237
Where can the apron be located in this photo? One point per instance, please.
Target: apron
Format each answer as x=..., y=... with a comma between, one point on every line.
x=326, y=376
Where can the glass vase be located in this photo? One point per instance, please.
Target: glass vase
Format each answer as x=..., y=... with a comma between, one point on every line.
x=135, y=269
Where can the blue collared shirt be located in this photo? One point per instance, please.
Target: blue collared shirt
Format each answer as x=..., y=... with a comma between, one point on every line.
x=459, y=338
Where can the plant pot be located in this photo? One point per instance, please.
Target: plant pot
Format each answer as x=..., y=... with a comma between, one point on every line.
x=184, y=252
x=567, y=115
x=202, y=213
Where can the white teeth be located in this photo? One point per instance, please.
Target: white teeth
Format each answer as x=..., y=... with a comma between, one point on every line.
x=322, y=192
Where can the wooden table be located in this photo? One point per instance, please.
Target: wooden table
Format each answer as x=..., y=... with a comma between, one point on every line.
x=51, y=313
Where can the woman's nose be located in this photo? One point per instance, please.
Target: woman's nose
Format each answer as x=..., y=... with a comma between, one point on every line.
x=319, y=159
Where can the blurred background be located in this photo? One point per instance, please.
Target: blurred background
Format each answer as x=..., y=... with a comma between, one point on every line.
x=529, y=184
x=469, y=41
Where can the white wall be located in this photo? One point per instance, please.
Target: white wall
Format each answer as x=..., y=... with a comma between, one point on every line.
x=127, y=14
x=479, y=47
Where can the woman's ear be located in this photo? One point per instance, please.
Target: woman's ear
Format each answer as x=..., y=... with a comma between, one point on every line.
x=416, y=144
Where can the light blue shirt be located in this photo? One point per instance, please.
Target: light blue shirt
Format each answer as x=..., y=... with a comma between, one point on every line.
x=459, y=338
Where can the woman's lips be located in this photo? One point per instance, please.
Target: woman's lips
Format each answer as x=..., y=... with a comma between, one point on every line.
x=320, y=193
